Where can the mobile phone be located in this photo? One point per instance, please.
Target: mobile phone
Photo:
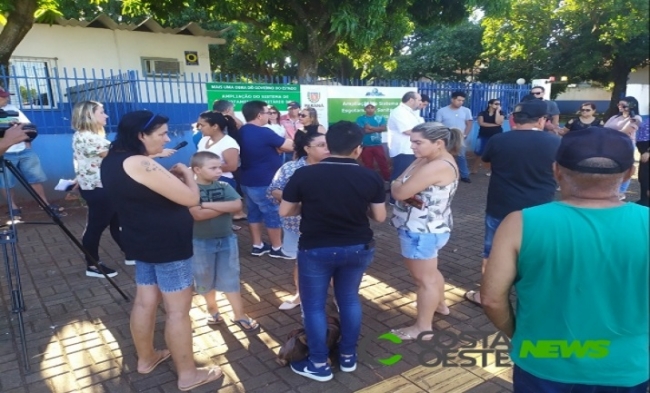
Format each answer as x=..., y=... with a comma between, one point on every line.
x=415, y=201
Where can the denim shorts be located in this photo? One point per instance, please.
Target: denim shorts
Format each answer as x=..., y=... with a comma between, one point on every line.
x=28, y=163
x=491, y=225
x=260, y=208
x=169, y=276
x=216, y=265
x=290, y=243
x=418, y=245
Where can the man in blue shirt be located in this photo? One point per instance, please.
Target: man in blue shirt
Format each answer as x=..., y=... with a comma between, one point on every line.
x=373, y=151
x=260, y=159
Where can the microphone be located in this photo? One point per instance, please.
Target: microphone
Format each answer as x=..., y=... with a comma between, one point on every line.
x=180, y=145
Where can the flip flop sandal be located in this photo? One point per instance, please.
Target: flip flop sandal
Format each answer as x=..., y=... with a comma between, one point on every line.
x=215, y=319
x=247, y=325
x=235, y=227
x=471, y=297
x=407, y=337
x=289, y=305
x=213, y=374
x=163, y=357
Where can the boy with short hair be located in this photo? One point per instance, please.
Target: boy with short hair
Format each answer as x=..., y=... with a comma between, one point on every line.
x=216, y=254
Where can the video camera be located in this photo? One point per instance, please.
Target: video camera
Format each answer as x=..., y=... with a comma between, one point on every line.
x=9, y=118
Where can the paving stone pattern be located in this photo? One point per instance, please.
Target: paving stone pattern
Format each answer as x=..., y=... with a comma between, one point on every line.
x=78, y=335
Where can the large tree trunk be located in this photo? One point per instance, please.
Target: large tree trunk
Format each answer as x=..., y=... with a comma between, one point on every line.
x=19, y=21
x=620, y=73
x=307, y=67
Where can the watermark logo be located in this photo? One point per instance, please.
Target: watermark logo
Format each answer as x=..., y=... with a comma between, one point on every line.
x=444, y=348
x=555, y=349
x=475, y=348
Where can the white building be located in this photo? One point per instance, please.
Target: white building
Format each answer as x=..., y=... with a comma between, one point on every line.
x=75, y=52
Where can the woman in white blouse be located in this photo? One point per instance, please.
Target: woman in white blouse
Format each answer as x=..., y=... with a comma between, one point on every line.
x=89, y=148
x=212, y=125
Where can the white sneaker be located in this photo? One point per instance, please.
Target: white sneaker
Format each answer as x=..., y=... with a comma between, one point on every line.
x=129, y=262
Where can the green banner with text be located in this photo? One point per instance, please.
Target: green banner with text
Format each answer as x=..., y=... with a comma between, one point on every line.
x=240, y=93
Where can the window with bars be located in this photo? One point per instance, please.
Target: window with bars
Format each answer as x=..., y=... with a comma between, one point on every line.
x=31, y=82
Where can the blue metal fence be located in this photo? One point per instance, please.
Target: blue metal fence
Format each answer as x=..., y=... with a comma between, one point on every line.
x=47, y=96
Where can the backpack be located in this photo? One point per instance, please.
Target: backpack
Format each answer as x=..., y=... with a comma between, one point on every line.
x=295, y=347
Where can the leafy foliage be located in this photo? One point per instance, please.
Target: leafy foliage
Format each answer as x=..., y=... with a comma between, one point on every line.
x=601, y=40
x=441, y=53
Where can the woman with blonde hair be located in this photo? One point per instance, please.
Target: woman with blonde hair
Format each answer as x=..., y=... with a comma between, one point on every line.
x=308, y=119
x=89, y=147
x=422, y=216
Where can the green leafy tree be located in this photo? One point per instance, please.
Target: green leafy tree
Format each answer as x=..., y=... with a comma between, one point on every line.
x=599, y=40
x=17, y=18
x=441, y=53
x=309, y=30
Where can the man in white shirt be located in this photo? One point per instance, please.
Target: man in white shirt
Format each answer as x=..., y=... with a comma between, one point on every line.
x=25, y=159
x=400, y=123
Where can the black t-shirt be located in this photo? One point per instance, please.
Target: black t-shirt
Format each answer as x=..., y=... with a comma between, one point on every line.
x=522, y=170
x=335, y=195
x=486, y=132
x=577, y=124
x=154, y=228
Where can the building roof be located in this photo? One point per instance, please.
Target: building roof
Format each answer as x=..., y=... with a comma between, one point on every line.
x=103, y=21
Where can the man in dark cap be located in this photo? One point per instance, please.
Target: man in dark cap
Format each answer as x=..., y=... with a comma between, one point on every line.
x=580, y=269
x=522, y=174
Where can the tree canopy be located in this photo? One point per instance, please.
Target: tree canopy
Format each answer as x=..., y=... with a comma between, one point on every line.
x=599, y=40
x=309, y=30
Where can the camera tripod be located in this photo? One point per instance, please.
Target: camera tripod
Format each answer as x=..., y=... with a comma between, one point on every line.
x=8, y=240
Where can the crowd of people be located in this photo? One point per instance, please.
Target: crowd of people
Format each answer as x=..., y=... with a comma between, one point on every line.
x=313, y=191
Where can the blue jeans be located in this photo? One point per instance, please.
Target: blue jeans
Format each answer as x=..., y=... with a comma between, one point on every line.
x=315, y=269
x=461, y=160
x=491, y=225
x=525, y=382
x=261, y=208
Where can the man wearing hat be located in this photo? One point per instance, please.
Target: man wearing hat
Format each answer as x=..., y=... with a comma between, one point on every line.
x=290, y=122
x=580, y=269
x=25, y=159
x=373, y=151
x=522, y=174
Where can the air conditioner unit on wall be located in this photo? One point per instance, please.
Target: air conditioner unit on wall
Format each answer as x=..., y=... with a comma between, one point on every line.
x=161, y=67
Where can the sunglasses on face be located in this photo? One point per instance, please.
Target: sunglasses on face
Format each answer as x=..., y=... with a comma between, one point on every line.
x=496, y=103
x=537, y=93
x=303, y=115
x=585, y=110
x=623, y=106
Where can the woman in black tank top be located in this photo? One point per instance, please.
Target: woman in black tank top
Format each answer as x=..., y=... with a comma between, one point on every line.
x=308, y=118
x=152, y=203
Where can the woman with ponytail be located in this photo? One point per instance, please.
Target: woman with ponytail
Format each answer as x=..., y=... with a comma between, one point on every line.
x=310, y=148
x=422, y=216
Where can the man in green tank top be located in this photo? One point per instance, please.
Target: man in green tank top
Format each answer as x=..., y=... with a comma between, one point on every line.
x=581, y=272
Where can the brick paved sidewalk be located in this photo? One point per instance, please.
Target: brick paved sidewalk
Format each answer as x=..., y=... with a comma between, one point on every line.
x=78, y=327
